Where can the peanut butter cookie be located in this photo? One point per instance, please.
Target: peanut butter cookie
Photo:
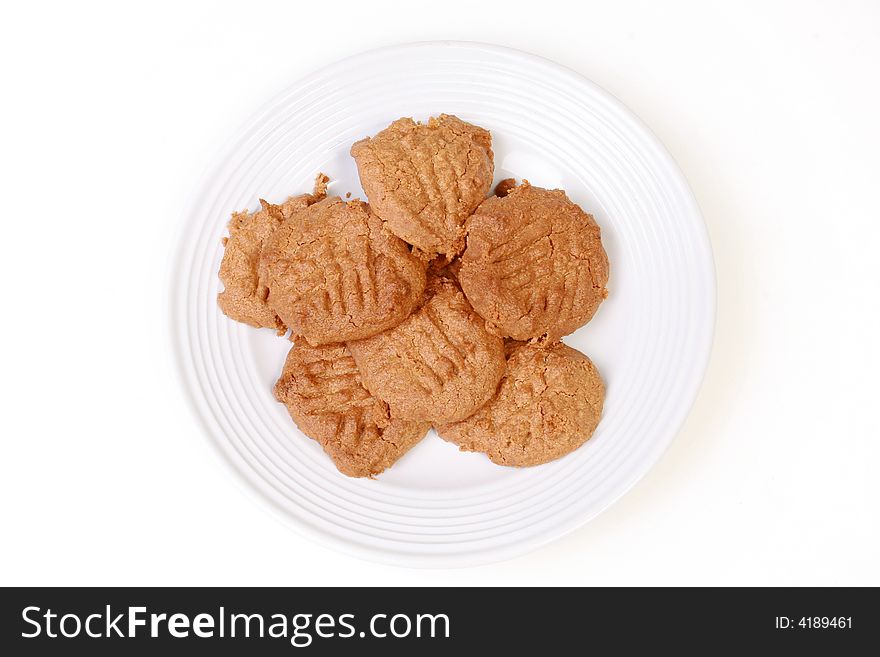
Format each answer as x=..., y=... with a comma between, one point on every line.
x=548, y=404
x=439, y=365
x=534, y=264
x=335, y=273
x=244, y=295
x=425, y=180
x=322, y=390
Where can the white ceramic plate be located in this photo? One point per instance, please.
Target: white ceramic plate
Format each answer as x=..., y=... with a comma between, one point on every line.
x=650, y=339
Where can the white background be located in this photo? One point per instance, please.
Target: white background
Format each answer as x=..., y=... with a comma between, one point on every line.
x=111, y=114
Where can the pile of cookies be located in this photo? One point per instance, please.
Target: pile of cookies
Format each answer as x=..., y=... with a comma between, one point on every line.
x=432, y=305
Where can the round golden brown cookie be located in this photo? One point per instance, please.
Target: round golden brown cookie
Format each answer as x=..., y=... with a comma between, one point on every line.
x=425, y=180
x=322, y=390
x=548, y=404
x=335, y=273
x=439, y=365
x=244, y=295
x=534, y=263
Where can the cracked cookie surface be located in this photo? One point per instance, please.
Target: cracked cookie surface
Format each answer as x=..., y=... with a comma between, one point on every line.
x=548, y=404
x=322, y=390
x=439, y=365
x=534, y=264
x=335, y=273
x=425, y=180
x=244, y=295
